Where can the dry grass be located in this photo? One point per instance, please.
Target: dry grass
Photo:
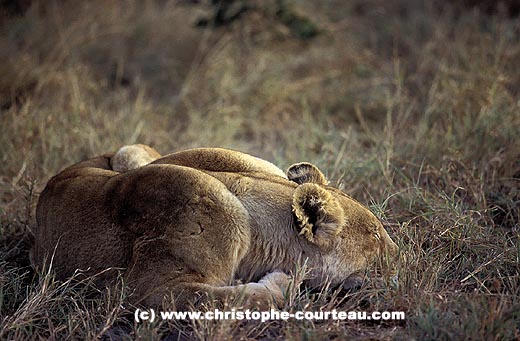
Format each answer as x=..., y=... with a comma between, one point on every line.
x=412, y=110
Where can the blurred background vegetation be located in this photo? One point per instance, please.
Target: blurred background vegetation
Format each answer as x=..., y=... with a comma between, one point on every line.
x=412, y=107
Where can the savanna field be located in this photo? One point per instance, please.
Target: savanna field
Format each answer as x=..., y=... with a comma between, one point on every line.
x=411, y=107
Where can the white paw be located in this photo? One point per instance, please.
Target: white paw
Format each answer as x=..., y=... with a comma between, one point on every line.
x=276, y=282
x=132, y=157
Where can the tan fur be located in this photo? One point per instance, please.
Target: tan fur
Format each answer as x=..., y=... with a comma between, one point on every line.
x=132, y=157
x=193, y=222
x=306, y=172
x=312, y=200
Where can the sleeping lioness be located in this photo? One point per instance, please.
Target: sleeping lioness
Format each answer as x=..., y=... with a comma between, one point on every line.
x=193, y=222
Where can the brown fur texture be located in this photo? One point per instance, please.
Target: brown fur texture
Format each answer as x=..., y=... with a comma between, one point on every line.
x=192, y=223
x=306, y=172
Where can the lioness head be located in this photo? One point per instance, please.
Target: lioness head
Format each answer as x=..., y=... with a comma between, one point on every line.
x=349, y=237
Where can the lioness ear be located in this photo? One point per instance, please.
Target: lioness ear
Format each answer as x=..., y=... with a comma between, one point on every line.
x=319, y=215
x=305, y=172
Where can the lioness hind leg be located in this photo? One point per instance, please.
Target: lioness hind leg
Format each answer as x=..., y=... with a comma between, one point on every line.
x=132, y=157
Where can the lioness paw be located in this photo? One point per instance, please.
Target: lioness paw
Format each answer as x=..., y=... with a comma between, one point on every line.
x=277, y=283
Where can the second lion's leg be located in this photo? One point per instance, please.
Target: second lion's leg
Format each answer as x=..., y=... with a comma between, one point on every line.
x=132, y=157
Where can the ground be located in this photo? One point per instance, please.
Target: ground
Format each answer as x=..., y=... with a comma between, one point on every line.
x=411, y=107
